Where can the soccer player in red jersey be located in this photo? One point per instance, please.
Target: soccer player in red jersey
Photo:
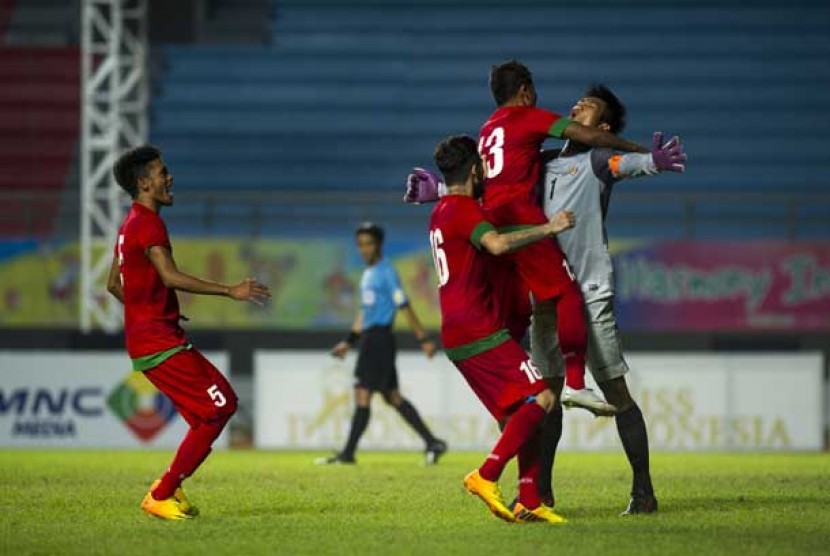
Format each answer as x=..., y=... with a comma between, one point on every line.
x=510, y=142
x=496, y=367
x=144, y=277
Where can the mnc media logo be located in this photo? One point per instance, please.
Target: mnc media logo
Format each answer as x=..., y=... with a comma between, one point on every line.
x=141, y=407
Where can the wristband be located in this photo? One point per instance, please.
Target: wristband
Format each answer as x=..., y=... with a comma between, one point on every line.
x=352, y=338
x=425, y=339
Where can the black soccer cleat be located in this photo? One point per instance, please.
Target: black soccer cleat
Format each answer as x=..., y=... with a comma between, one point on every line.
x=434, y=451
x=641, y=505
x=336, y=459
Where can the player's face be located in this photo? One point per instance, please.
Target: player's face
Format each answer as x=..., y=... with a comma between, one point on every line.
x=368, y=248
x=588, y=112
x=158, y=182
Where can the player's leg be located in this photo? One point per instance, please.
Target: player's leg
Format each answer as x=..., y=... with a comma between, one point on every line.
x=359, y=424
x=545, y=271
x=508, y=384
x=546, y=354
x=207, y=401
x=529, y=506
x=372, y=363
x=434, y=447
x=607, y=364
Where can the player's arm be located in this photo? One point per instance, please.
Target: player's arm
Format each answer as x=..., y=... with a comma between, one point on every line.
x=114, y=281
x=418, y=330
x=598, y=138
x=343, y=346
x=246, y=290
x=500, y=244
x=664, y=157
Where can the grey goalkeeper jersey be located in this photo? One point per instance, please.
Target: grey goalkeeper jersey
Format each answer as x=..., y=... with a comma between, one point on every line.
x=582, y=183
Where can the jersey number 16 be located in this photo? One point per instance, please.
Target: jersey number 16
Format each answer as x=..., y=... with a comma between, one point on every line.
x=439, y=256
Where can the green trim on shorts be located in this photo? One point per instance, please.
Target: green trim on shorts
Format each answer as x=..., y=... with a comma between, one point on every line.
x=482, y=228
x=516, y=228
x=479, y=346
x=147, y=362
x=558, y=127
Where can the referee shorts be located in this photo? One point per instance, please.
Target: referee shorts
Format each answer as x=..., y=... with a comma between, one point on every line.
x=375, y=369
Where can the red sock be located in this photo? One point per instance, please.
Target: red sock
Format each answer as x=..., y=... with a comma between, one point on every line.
x=529, y=469
x=521, y=426
x=573, y=336
x=193, y=450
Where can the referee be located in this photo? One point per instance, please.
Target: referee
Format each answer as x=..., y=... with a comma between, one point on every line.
x=381, y=296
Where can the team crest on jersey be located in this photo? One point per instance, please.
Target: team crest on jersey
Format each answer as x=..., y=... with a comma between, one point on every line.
x=141, y=407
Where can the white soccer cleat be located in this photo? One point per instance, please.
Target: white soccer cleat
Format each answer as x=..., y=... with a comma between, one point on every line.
x=587, y=399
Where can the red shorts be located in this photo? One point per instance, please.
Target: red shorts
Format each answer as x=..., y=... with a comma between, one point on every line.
x=542, y=265
x=198, y=390
x=503, y=378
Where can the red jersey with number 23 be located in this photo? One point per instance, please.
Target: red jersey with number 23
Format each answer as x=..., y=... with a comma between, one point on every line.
x=468, y=306
x=510, y=143
x=151, y=309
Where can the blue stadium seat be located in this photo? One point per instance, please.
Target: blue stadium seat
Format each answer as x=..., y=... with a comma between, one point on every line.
x=353, y=98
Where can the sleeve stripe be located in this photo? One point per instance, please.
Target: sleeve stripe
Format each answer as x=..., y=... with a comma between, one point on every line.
x=558, y=127
x=478, y=232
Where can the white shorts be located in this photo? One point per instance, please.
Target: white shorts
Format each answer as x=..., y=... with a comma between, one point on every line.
x=604, y=354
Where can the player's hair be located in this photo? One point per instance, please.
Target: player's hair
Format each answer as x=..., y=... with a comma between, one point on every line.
x=615, y=112
x=507, y=78
x=372, y=229
x=133, y=165
x=454, y=156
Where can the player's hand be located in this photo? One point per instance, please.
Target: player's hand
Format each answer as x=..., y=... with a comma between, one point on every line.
x=562, y=221
x=341, y=349
x=422, y=186
x=250, y=290
x=430, y=348
x=668, y=157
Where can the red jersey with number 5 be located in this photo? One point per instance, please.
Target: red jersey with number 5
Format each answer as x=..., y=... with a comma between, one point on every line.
x=510, y=142
x=468, y=306
x=151, y=309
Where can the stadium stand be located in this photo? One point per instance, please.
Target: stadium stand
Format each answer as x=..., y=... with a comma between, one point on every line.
x=350, y=98
x=39, y=113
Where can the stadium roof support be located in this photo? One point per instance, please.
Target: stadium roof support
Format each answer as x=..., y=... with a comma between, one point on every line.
x=114, y=93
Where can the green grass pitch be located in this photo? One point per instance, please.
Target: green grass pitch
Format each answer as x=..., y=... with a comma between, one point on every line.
x=58, y=502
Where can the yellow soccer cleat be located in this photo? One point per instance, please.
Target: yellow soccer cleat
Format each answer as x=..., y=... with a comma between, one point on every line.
x=542, y=514
x=165, y=509
x=181, y=498
x=489, y=493
x=184, y=503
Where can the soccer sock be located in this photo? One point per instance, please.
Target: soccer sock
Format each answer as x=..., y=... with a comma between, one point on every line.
x=529, y=467
x=551, y=433
x=521, y=426
x=193, y=450
x=634, y=437
x=411, y=416
x=573, y=336
x=360, y=420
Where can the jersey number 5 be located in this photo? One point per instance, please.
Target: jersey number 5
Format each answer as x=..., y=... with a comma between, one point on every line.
x=121, y=257
x=439, y=256
x=492, y=149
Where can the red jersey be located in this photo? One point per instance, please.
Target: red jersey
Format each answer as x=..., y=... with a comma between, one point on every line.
x=469, y=313
x=151, y=309
x=510, y=142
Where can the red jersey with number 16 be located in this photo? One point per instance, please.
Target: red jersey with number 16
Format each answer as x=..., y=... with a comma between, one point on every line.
x=510, y=142
x=468, y=307
x=151, y=309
